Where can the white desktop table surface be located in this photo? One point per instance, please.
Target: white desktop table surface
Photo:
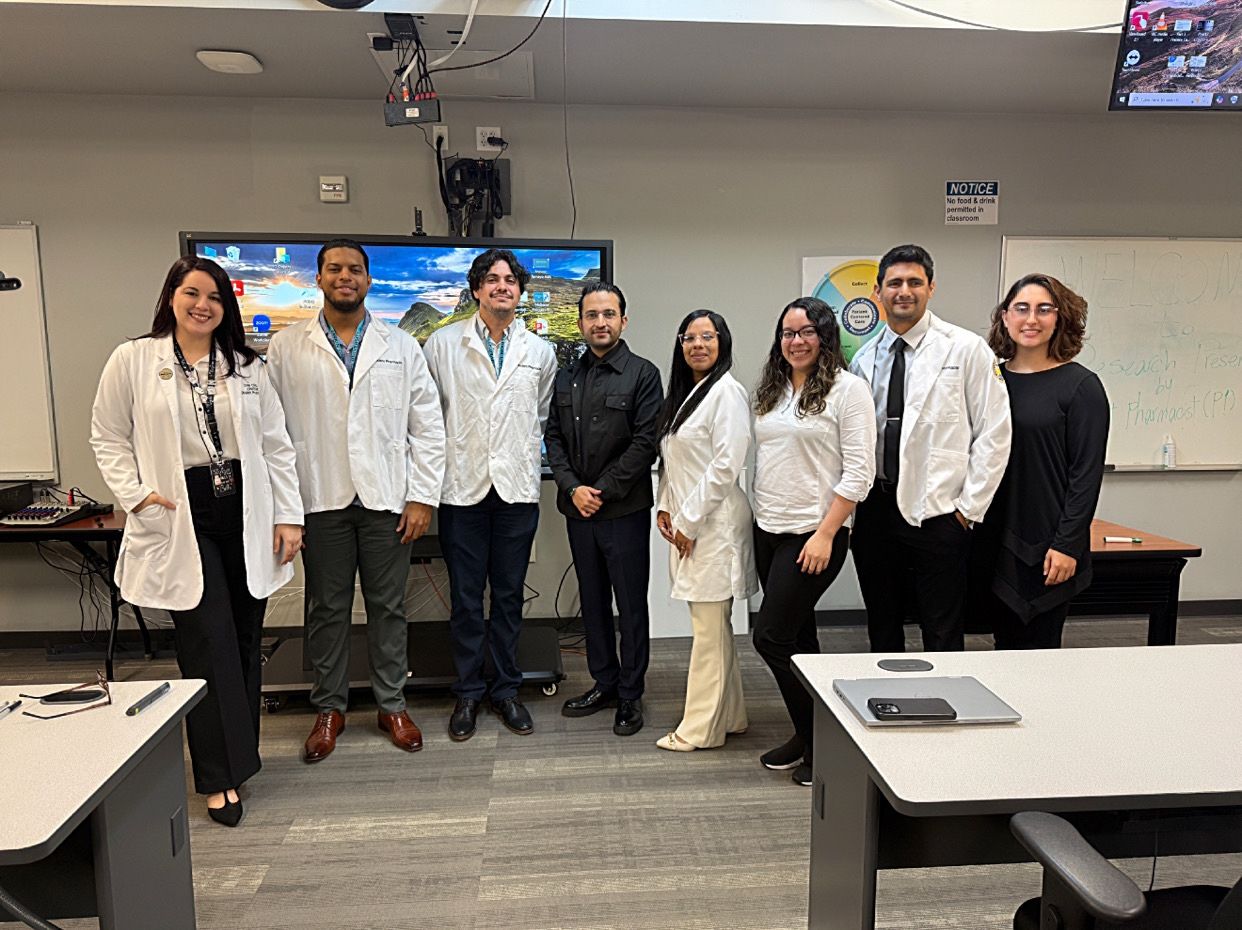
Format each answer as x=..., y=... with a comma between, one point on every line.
x=57, y=771
x=1148, y=727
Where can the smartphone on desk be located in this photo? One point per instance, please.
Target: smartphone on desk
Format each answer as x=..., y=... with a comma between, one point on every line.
x=911, y=708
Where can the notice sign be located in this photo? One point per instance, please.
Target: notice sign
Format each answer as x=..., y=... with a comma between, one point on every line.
x=974, y=203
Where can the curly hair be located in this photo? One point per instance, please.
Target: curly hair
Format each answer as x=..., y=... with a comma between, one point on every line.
x=777, y=372
x=1071, y=328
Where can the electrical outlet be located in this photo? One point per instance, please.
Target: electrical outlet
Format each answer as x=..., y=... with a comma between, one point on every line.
x=482, y=134
x=438, y=132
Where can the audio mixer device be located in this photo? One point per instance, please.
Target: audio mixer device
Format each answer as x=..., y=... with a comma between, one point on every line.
x=54, y=514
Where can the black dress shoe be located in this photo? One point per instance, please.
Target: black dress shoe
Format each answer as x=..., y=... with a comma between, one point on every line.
x=586, y=704
x=462, y=723
x=230, y=815
x=629, y=718
x=515, y=716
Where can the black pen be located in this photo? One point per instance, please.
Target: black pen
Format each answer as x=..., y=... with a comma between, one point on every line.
x=6, y=709
x=143, y=703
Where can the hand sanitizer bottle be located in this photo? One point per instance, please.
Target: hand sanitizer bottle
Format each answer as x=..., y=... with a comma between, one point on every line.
x=1168, y=453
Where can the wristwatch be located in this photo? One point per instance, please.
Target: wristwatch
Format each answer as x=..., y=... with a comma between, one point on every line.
x=574, y=489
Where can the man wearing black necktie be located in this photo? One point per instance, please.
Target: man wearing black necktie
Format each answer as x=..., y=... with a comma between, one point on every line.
x=942, y=414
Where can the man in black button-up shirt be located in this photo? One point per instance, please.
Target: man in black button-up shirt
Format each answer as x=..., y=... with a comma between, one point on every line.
x=601, y=440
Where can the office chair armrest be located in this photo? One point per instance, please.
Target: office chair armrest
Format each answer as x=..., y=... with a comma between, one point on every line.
x=1103, y=891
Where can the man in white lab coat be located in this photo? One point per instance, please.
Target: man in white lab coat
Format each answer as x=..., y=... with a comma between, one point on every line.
x=942, y=414
x=495, y=381
x=364, y=416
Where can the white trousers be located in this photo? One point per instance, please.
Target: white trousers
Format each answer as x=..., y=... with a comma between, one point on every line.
x=714, y=702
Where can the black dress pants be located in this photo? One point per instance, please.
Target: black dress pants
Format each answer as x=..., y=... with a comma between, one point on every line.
x=219, y=641
x=1042, y=631
x=904, y=569
x=613, y=557
x=785, y=624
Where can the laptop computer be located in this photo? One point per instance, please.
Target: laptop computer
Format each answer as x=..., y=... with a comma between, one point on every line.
x=971, y=700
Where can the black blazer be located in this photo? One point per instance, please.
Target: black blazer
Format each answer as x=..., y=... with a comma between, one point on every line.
x=602, y=431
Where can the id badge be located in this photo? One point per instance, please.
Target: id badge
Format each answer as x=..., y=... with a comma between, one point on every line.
x=223, y=483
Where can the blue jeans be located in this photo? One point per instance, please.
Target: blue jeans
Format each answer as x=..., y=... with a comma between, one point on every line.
x=487, y=543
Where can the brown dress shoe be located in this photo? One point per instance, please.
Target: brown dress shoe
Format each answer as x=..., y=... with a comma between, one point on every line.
x=403, y=731
x=322, y=739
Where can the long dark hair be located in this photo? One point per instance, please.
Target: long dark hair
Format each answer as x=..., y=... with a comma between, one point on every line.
x=777, y=372
x=230, y=336
x=681, y=375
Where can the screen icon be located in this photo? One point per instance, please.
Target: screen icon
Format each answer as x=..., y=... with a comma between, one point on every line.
x=233, y=253
x=1198, y=62
x=1139, y=21
x=1160, y=25
x=539, y=326
x=542, y=298
x=1206, y=25
x=1177, y=62
x=210, y=252
x=1233, y=98
x=1183, y=25
x=239, y=288
x=282, y=255
x=1132, y=58
x=262, y=322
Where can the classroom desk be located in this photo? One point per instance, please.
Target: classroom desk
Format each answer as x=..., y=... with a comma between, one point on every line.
x=1125, y=742
x=93, y=810
x=106, y=529
x=1135, y=578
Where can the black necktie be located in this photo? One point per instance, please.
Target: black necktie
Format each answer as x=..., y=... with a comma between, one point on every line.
x=896, y=407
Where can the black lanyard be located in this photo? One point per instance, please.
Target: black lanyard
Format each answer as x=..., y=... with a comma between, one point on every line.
x=206, y=397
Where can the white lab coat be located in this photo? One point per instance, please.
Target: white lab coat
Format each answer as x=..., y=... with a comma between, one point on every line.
x=701, y=491
x=494, y=426
x=956, y=429
x=383, y=441
x=136, y=435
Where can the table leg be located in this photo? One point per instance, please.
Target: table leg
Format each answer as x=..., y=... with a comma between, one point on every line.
x=141, y=838
x=1162, y=622
x=844, y=832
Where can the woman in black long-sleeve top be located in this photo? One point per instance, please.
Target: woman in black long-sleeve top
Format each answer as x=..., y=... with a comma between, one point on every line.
x=1039, y=526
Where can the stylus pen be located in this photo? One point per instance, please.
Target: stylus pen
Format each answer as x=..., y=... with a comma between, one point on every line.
x=1122, y=539
x=6, y=709
x=145, y=702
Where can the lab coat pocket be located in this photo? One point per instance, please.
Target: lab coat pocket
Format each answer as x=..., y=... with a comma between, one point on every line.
x=386, y=391
x=944, y=401
x=946, y=468
x=148, y=532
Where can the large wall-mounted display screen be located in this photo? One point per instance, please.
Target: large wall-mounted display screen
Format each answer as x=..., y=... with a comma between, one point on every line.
x=1179, y=55
x=417, y=283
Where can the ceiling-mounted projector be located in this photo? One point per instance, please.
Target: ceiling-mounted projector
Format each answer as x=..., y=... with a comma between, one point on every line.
x=346, y=4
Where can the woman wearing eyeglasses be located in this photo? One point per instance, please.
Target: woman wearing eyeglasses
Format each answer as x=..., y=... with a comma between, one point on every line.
x=1038, y=529
x=190, y=437
x=703, y=513
x=815, y=435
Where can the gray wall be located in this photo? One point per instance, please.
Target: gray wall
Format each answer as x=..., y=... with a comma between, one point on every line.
x=707, y=208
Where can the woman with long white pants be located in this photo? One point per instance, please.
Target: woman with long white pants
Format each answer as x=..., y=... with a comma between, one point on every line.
x=704, y=515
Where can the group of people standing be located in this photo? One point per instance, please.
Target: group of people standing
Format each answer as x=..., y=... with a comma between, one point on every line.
x=344, y=443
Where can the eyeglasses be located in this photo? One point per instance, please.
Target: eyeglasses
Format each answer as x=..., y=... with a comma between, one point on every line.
x=806, y=333
x=689, y=339
x=1041, y=310
x=591, y=315
x=78, y=694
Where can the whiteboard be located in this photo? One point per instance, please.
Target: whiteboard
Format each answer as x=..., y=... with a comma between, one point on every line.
x=1164, y=333
x=27, y=428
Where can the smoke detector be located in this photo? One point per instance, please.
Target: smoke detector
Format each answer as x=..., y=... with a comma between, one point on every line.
x=229, y=62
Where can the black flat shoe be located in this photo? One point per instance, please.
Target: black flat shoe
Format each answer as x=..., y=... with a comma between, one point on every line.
x=464, y=719
x=230, y=815
x=629, y=719
x=586, y=704
x=514, y=715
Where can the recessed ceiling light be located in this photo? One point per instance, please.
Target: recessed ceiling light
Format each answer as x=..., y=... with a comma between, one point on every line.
x=229, y=62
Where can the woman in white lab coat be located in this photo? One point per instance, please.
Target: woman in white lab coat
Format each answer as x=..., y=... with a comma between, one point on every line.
x=704, y=515
x=190, y=437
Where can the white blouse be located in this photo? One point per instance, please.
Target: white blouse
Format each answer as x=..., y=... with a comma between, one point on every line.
x=702, y=465
x=195, y=438
x=802, y=462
